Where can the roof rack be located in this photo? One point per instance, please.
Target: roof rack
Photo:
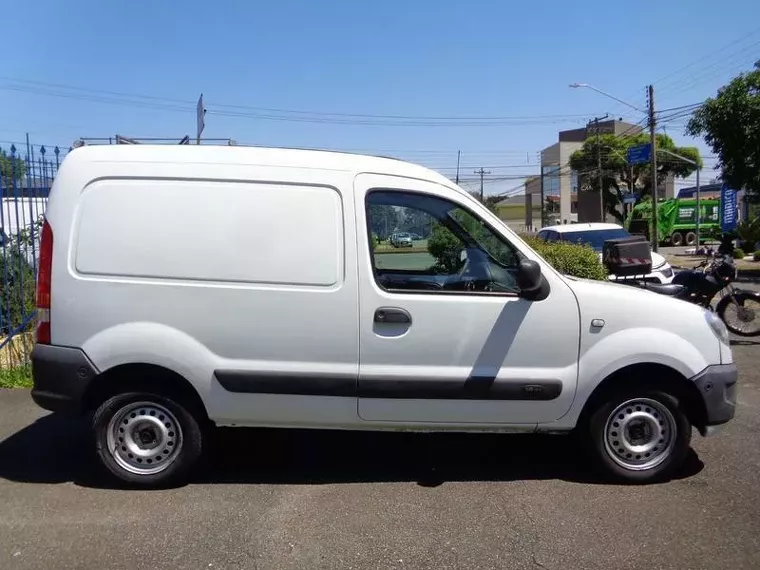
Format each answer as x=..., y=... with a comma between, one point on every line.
x=121, y=139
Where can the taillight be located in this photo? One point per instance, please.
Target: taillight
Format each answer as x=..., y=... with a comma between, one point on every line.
x=44, y=274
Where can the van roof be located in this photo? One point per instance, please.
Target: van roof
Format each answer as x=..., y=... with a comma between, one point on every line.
x=270, y=156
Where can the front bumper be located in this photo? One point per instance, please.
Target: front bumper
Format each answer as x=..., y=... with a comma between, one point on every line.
x=61, y=376
x=717, y=386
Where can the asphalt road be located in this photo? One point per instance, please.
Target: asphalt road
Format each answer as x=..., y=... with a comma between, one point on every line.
x=281, y=500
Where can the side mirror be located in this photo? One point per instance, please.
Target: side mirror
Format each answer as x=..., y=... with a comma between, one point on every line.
x=529, y=279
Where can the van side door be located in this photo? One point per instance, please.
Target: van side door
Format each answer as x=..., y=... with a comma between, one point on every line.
x=444, y=335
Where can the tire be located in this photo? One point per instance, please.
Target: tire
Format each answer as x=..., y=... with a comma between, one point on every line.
x=691, y=238
x=661, y=426
x=676, y=239
x=146, y=440
x=749, y=314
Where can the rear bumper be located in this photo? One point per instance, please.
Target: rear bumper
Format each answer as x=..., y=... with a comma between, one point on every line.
x=717, y=386
x=61, y=376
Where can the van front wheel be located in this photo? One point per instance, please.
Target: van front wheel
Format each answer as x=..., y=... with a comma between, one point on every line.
x=145, y=439
x=640, y=436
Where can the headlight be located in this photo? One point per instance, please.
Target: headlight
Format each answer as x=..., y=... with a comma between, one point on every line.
x=718, y=327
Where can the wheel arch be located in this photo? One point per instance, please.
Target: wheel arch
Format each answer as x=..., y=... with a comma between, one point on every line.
x=658, y=376
x=142, y=376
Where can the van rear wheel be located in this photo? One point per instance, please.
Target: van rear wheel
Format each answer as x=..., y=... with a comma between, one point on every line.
x=640, y=436
x=146, y=440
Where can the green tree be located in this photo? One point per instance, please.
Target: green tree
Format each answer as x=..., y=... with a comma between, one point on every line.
x=446, y=248
x=730, y=124
x=416, y=221
x=11, y=168
x=488, y=201
x=382, y=220
x=616, y=172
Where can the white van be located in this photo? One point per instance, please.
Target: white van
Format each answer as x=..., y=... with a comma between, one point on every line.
x=182, y=287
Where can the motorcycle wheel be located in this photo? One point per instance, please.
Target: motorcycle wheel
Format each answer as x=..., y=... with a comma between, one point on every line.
x=744, y=319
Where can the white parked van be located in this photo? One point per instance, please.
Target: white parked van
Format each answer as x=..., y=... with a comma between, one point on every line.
x=282, y=313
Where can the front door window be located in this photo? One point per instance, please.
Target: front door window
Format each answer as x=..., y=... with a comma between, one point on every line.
x=458, y=252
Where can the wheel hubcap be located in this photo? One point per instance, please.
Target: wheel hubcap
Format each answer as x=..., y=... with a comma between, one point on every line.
x=144, y=438
x=639, y=434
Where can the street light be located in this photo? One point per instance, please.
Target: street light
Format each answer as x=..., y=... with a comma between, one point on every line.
x=652, y=143
x=626, y=103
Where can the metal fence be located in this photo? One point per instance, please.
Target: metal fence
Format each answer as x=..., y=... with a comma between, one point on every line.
x=26, y=175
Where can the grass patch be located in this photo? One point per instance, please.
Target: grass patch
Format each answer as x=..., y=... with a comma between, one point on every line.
x=16, y=377
x=391, y=249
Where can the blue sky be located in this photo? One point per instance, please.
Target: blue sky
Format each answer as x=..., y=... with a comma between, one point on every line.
x=407, y=58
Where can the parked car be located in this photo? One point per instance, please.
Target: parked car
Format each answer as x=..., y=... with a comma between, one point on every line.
x=401, y=240
x=160, y=337
x=595, y=234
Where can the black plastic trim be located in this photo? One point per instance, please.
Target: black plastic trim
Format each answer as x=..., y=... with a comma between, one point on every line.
x=474, y=388
x=292, y=383
x=61, y=376
x=717, y=386
x=310, y=384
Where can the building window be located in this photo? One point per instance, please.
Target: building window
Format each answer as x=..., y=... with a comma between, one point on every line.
x=551, y=180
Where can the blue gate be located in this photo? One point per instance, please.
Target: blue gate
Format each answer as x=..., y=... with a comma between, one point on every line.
x=26, y=176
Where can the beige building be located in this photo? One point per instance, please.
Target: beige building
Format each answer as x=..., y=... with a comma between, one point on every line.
x=563, y=202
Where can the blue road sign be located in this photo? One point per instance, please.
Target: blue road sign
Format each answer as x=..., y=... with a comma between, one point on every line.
x=729, y=215
x=630, y=198
x=640, y=154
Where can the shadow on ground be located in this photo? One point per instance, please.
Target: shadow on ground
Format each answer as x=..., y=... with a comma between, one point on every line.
x=54, y=449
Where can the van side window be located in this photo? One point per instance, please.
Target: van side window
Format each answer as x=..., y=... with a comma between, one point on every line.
x=457, y=252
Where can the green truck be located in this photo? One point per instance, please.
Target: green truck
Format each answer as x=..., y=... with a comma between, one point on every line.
x=676, y=220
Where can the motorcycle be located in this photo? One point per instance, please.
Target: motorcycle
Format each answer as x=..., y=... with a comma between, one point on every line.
x=738, y=308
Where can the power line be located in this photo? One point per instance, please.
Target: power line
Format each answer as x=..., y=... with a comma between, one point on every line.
x=703, y=58
x=731, y=64
x=268, y=113
x=674, y=80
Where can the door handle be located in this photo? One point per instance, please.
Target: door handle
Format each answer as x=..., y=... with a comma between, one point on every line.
x=392, y=315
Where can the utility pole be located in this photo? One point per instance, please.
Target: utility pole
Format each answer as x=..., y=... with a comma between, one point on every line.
x=653, y=163
x=459, y=155
x=697, y=208
x=599, y=167
x=541, y=162
x=482, y=173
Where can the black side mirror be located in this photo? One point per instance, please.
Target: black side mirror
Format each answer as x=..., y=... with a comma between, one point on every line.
x=532, y=285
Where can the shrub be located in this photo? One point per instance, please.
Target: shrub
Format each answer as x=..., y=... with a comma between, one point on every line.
x=445, y=247
x=17, y=288
x=569, y=258
x=756, y=255
x=749, y=232
x=738, y=253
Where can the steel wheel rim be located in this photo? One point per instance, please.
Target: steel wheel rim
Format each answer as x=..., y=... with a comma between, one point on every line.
x=144, y=438
x=640, y=434
x=742, y=316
